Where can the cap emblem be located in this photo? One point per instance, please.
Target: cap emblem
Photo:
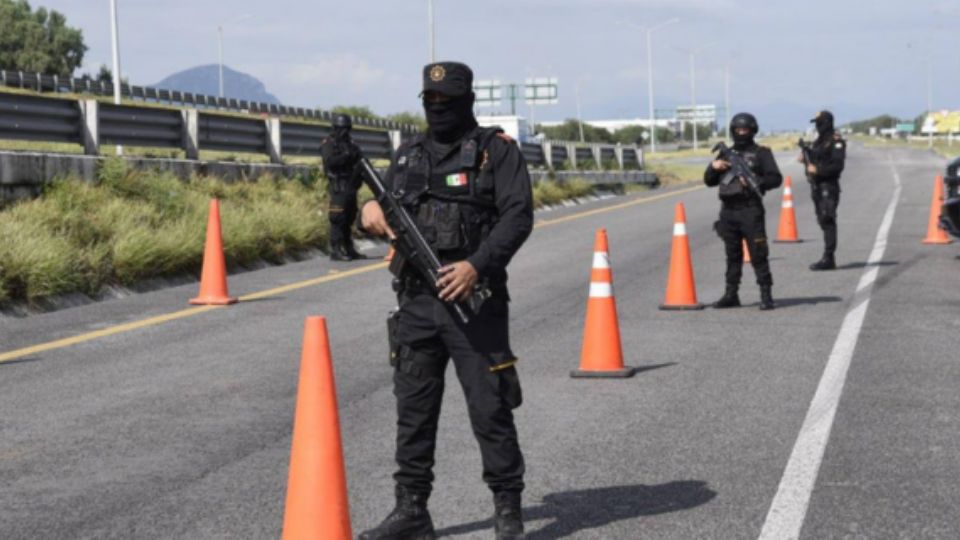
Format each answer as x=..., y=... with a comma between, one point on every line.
x=437, y=73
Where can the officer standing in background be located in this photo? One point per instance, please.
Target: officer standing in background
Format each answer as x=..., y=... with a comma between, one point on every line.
x=742, y=216
x=340, y=156
x=827, y=156
x=470, y=192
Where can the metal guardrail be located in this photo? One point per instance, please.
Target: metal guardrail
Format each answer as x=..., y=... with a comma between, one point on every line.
x=64, y=84
x=92, y=123
x=40, y=119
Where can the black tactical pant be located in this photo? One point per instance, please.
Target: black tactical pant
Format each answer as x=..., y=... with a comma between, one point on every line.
x=425, y=335
x=343, y=212
x=826, y=198
x=739, y=222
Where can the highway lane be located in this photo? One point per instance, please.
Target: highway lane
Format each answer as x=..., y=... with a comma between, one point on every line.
x=182, y=429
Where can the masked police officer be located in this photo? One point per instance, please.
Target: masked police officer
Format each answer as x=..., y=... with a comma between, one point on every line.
x=827, y=155
x=340, y=156
x=742, y=216
x=470, y=192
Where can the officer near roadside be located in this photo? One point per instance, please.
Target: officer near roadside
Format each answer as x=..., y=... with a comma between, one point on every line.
x=827, y=156
x=742, y=216
x=469, y=190
x=340, y=157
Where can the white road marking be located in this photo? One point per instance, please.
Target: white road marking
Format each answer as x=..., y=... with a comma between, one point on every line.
x=789, y=507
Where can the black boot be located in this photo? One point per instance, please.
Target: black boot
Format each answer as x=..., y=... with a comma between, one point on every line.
x=508, y=516
x=766, y=298
x=730, y=298
x=826, y=263
x=352, y=251
x=410, y=520
x=339, y=253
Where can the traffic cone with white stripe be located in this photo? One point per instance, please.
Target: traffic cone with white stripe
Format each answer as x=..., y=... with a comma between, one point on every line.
x=602, y=354
x=787, y=232
x=681, y=290
x=936, y=235
x=213, y=276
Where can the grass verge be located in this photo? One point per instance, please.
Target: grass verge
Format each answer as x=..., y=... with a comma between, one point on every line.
x=133, y=225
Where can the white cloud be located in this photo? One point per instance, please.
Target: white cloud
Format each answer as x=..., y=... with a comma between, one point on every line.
x=337, y=70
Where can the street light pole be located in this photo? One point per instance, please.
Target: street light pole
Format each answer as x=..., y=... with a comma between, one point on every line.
x=726, y=100
x=579, y=115
x=220, y=55
x=115, y=37
x=693, y=96
x=432, y=32
x=930, y=105
x=650, y=109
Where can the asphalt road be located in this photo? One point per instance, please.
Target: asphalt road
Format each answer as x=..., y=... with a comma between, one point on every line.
x=181, y=429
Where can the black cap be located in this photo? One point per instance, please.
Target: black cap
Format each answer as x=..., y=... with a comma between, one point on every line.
x=826, y=115
x=449, y=78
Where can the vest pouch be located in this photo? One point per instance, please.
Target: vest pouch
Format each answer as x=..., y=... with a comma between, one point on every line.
x=448, y=226
x=439, y=222
x=730, y=187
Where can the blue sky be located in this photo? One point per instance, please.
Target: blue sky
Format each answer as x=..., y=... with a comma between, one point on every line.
x=787, y=59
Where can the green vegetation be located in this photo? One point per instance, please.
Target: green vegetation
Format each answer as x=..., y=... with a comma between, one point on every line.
x=553, y=192
x=38, y=41
x=570, y=131
x=672, y=173
x=133, y=225
x=942, y=147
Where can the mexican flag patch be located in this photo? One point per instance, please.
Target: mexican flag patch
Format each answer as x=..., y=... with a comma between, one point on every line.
x=457, y=180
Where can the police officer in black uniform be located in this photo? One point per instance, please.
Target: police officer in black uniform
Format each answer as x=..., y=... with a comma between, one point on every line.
x=470, y=192
x=742, y=216
x=827, y=156
x=340, y=157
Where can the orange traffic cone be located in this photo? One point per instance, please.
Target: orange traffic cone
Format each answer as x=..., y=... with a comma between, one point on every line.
x=213, y=278
x=746, y=252
x=317, y=505
x=681, y=291
x=936, y=235
x=787, y=232
x=390, y=254
x=602, y=355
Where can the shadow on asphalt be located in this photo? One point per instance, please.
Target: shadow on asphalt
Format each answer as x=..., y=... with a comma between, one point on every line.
x=807, y=301
x=856, y=265
x=581, y=510
x=641, y=369
x=27, y=360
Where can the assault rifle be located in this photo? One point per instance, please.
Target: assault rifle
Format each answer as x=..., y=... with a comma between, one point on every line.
x=410, y=245
x=738, y=168
x=805, y=150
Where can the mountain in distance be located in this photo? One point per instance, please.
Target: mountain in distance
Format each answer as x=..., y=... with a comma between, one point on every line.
x=206, y=80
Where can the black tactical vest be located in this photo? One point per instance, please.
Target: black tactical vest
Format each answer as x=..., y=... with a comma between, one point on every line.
x=454, y=203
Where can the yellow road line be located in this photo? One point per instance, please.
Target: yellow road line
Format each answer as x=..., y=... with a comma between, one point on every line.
x=588, y=213
x=160, y=319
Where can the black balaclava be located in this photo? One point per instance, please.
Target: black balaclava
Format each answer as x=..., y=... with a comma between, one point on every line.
x=743, y=120
x=450, y=119
x=824, y=124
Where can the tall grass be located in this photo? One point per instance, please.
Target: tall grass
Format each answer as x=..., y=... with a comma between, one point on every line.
x=132, y=225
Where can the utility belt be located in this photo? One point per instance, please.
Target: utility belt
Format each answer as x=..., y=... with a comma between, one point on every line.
x=412, y=283
x=741, y=203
